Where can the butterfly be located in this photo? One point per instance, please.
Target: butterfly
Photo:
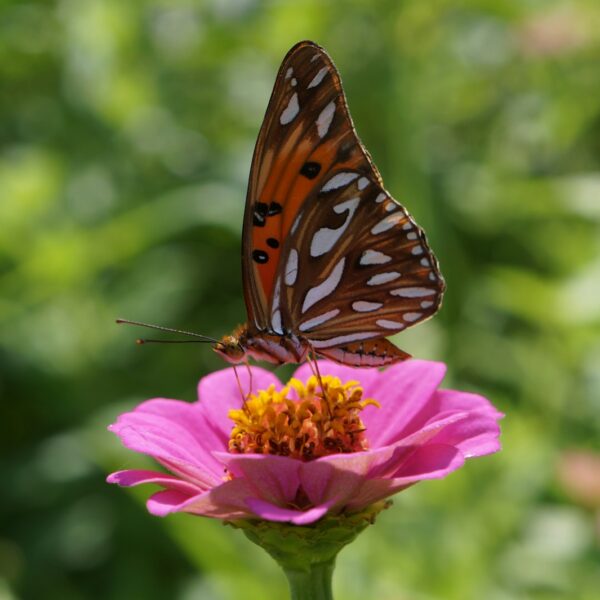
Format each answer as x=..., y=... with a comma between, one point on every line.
x=331, y=263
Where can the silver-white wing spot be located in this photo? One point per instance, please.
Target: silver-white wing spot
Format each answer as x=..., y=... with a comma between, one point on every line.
x=289, y=73
x=380, y=198
x=275, y=312
x=276, y=325
x=412, y=316
x=344, y=339
x=382, y=278
x=374, y=257
x=365, y=306
x=426, y=304
x=291, y=268
x=417, y=250
x=290, y=111
x=407, y=226
x=319, y=320
x=411, y=236
x=387, y=324
x=324, y=119
x=316, y=80
x=391, y=206
x=294, y=82
x=387, y=223
x=295, y=224
x=425, y=262
x=363, y=182
x=325, y=288
x=340, y=180
x=413, y=292
x=325, y=238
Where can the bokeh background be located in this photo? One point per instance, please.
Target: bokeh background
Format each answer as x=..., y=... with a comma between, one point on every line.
x=126, y=132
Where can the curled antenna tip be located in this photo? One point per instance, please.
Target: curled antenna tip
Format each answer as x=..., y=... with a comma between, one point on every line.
x=139, y=342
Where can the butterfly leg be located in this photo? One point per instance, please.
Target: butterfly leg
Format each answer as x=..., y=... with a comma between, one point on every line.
x=237, y=377
x=314, y=365
x=249, y=375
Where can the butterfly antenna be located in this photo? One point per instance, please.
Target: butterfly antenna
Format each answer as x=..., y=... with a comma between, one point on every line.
x=169, y=329
x=142, y=341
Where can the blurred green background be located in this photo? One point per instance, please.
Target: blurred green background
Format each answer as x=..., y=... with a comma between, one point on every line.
x=126, y=132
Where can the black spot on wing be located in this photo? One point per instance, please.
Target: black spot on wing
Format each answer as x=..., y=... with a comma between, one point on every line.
x=274, y=209
x=310, y=169
x=260, y=256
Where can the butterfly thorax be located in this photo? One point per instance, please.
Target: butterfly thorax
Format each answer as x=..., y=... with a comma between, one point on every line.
x=247, y=340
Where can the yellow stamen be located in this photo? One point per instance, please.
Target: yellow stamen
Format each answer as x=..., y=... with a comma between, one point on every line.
x=319, y=422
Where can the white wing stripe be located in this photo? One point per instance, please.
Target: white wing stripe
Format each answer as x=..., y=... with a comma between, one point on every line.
x=291, y=268
x=412, y=292
x=383, y=278
x=325, y=288
x=387, y=223
x=365, y=306
x=290, y=111
x=325, y=238
x=386, y=324
x=373, y=257
x=319, y=320
x=412, y=316
x=325, y=118
x=340, y=180
x=316, y=80
x=344, y=339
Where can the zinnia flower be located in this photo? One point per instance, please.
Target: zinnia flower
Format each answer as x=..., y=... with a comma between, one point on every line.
x=293, y=454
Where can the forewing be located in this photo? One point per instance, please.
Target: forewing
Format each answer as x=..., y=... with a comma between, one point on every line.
x=307, y=135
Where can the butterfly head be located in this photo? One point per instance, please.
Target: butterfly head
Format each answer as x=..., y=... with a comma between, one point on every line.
x=231, y=349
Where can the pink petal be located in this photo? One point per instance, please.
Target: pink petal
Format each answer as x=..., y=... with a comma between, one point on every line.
x=137, y=477
x=225, y=501
x=271, y=512
x=402, y=390
x=334, y=484
x=219, y=392
x=273, y=478
x=165, y=502
x=384, y=461
x=452, y=401
x=159, y=429
x=475, y=435
x=429, y=462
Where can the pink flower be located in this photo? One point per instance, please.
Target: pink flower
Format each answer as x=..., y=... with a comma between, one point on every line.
x=418, y=432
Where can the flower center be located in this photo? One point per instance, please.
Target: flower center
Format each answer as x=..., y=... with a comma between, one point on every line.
x=313, y=422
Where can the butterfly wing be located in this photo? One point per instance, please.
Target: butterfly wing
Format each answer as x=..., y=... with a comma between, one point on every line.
x=366, y=270
x=328, y=254
x=307, y=132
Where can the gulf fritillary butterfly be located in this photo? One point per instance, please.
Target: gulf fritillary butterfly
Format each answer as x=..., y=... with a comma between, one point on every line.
x=331, y=262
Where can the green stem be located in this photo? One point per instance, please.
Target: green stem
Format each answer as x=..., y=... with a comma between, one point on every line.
x=307, y=553
x=313, y=583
